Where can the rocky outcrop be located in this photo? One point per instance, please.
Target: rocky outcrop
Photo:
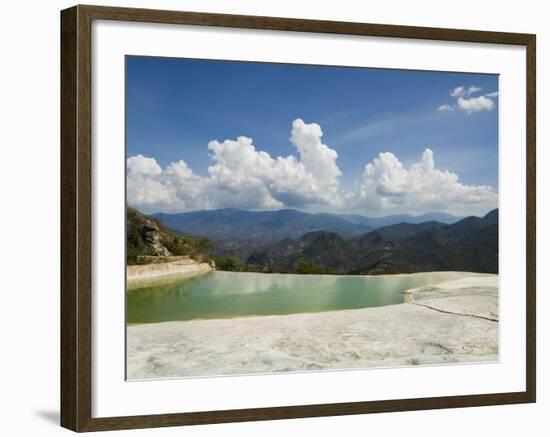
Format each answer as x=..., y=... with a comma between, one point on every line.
x=151, y=236
x=145, y=237
x=148, y=241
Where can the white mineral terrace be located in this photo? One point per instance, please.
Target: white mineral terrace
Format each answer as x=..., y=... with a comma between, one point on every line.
x=450, y=322
x=149, y=274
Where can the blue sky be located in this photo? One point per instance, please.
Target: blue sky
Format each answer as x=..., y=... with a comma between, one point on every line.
x=175, y=107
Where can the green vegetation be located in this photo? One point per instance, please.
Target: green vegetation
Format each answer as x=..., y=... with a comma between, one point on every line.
x=230, y=264
x=194, y=247
x=305, y=267
x=136, y=246
x=302, y=266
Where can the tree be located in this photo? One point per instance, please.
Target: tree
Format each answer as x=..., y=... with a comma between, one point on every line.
x=229, y=263
x=306, y=267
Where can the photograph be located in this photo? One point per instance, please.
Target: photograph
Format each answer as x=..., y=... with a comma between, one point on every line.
x=291, y=218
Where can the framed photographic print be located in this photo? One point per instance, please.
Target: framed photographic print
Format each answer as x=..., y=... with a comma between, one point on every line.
x=268, y=218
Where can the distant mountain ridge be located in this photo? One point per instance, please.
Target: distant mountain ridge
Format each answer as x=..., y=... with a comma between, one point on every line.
x=230, y=227
x=376, y=222
x=470, y=244
x=234, y=226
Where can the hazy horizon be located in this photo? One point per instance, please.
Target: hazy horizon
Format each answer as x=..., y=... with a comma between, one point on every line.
x=151, y=213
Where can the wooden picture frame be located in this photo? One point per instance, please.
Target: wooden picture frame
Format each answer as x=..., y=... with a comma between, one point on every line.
x=76, y=217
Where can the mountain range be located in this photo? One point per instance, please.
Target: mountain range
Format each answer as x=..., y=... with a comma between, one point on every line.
x=230, y=227
x=471, y=244
x=376, y=222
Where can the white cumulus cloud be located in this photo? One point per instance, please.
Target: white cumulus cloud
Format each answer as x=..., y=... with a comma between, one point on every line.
x=242, y=176
x=422, y=187
x=140, y=165
x=474, y=104
x=468, y=103
x=458, y=91
x=445, y=107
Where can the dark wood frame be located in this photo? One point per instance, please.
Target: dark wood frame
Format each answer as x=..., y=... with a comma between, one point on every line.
x=76, y=218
